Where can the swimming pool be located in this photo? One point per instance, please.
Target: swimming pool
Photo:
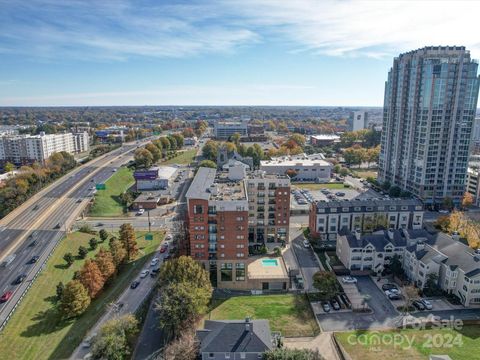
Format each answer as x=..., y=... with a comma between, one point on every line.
x=269, y=262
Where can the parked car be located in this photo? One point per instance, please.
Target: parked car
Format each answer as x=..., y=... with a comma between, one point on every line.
x=349, y=280
x=140, y=211
x=154, y=272
x=418, y=305
x=393, y=295
x=306, y=243
x=340, y=193
x=326, y=307
x=335, y=304
x=394, y=291
x=389, y=286
x=154, y=261
x=134, y=284
x=6, y=296
x=428, y=305
x=144, y=274
x=164, y=248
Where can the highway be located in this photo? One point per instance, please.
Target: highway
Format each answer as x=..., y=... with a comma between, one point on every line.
x=35, y=227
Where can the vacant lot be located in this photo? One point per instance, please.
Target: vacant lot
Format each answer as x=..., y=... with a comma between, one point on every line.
x=36, y=331
x=365, y=173
x=459, y=345
x=289, y=314
x=183, y=158
x=314, y=186
x=107, y=202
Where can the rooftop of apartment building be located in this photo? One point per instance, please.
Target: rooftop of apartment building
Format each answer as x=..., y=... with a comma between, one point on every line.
x=297, y=160
x=210, y=185
x=369, y=204
x=263, y=175
x=437, y=247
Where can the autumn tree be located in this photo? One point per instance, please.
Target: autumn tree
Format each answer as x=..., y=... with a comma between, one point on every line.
x=467, y=200
x=115, y=338
x=8, y=167
x=105, y=263
x=91, y=278
x=128, y=239
x=155, y=151
x=118, y=251
x=74, y=300
x=183, y=348
x=143, y=158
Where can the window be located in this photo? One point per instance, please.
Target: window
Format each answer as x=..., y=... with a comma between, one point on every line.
x=226, y=271
x=240, y=272
x=239, y=218
x=198, y=209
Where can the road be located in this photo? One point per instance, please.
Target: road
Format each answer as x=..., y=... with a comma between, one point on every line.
x=35, y=227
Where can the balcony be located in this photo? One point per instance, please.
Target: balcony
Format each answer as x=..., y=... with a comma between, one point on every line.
x=261, y=209
x=261, y=216
x=271, y=208
x=260, y=202
x=272, y=187
x=272, y=202
x=271, y=222
x=271, y=216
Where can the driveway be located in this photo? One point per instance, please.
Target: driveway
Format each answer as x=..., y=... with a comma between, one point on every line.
x=384, y=315
x=306, y=259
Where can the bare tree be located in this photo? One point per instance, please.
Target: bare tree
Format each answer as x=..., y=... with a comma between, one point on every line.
x=183, y=348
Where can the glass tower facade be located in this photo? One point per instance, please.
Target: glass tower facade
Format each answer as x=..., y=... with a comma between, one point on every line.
x=428, y=117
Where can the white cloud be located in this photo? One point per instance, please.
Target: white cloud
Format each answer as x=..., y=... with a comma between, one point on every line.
x=119, y=29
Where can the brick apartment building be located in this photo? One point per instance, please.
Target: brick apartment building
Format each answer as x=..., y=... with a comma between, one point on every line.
x=224, y=218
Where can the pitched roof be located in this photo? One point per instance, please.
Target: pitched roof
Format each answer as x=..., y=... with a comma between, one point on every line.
x=235, y=336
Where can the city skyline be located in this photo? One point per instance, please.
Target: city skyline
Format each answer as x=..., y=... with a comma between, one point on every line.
x=215, y=52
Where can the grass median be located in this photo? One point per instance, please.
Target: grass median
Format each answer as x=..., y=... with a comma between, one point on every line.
x=107, y=202
x=287, y=313
x=36, y=331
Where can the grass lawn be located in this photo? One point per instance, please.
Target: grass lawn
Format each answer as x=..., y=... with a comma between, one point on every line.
x=314, y=186
x=107, y=202
x=459, y=345
x=365, y=173
x=183, y=158
x=287, y=313
x=35, y=330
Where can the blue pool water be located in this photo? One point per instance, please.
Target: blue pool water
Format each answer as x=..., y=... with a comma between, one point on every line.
x=269, y=262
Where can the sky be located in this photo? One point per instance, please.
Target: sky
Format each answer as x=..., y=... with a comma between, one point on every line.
x=243, y=52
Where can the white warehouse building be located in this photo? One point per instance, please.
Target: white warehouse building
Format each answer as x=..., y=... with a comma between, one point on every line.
x=307, y=168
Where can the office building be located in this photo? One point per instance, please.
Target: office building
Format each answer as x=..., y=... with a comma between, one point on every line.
x=421, y=253
x=222, y=130
x=429, y=109
x=328, y=218
x=299, y=167
x=357, y=120
x=324, y=140
x=222, y=226
x=155, y=178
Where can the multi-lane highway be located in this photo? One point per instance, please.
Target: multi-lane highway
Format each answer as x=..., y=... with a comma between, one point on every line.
x=35, y=228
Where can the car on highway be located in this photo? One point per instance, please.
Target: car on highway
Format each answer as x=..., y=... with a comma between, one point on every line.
x=168, y=237
x=33, y=243
x=154, y=261
x=134, y=284
x=140, y=212
x=154, y=272
x=57, y=226
x=349, y=280
x=114, y=170
x=144, y=273
x=6, y=296
x=306, y=244
x=20, y=278
x=34, y=259
x=164, y=248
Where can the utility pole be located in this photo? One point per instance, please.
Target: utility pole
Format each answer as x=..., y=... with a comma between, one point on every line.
x=149, y=223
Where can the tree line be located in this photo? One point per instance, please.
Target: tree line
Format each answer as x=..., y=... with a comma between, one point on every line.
x=162, y=148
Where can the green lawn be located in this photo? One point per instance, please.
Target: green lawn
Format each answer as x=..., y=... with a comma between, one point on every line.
x=365, y=173
x=107, y=201
x=183, y=158
x=459, y=345
x=289, y=314
x=35, y=330
x=314, y=186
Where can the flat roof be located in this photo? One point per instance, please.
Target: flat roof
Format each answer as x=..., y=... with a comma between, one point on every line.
x=326, y=137
x=294, y=162
x=200, y=186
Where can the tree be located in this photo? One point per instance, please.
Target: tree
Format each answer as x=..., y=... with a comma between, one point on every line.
x=75, y=299
x=448, y=203
x=82, y=252
x=411, y=294
x=394, y=191
x=188, y=133
x=467, y=200
x=93, y=242
x=143, y=158
x=118, y=251
x=396, y=266
x=155, y=151
x=128, y=239
x=235, y=138
x=173, y=142
x=59, y=290
x=326, y=283
x=91, y=278
x=184, y=269
x=165, y=143
x=114, y=338
x=292, y=354
x=69, y=259
x=181, y=305
x=8, y=167
x=431, y=287
x=105, y=263
x=210, y=150
x=208, y=164
x=103, y=235
x=386, y=185
x=183, y=348
x=298, y=139
x=343, y=171
x=178, y=139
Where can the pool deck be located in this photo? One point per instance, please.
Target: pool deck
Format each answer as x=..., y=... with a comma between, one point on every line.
x=257, y=270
